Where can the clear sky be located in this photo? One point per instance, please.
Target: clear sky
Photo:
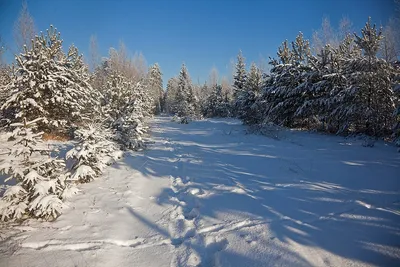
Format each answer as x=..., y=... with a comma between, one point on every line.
x=201, y=33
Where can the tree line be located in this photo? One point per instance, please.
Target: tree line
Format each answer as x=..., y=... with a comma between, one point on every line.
x=342, y=86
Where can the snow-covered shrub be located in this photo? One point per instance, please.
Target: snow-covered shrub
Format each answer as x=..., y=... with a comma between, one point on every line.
x=175, y=118
x=184, y=120
x=368, y=142
x=40, y=180
x=93, y=152
x=268, y=129
x=181, y=120
x=128, y=132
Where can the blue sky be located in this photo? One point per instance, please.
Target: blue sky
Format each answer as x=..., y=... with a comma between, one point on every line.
x=201, y=33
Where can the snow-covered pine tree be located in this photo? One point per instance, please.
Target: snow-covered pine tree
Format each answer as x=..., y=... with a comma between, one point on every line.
x=186, y=101
x=204, y=97
x=270, y=96
x=92, y=154
x=324, y=79
x=329, y=82
x=194, y=106
x=198, y=97
x=40, y=180
x=249, y=110
x=170, y=95
x=367, y=103
x=216, y=105
x=46, y=83
x=283, y=94
x=239, y=80
x=5, y=76
x=227, y=91
x=284, y=53
x=5, y=79
x=125, y=106
x=154, y=84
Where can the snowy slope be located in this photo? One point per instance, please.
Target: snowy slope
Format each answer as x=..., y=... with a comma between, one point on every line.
x=207, y=194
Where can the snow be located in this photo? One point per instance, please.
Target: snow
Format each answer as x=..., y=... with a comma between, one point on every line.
x=199, y=196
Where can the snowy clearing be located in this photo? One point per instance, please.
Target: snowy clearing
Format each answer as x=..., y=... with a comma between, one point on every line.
x=207, y=194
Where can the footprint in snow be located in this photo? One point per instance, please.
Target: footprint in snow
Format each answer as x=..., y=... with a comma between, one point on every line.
x=196, y=191
x=192, y=214
x=249, y=239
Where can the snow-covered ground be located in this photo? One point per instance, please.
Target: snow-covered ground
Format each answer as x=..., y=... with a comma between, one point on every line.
x=207, y=194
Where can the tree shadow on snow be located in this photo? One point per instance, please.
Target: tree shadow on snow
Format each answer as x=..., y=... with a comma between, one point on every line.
x=319, y=193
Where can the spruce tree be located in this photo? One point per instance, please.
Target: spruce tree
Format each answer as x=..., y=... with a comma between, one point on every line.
x=170, y=95
x=239, y=81
x=252, y=88
x=154, y=84
x=216, y=104
x=186, y=101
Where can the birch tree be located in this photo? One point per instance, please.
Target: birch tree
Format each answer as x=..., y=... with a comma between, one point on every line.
x=24, y=28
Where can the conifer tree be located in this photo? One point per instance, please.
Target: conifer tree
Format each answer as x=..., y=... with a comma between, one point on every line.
x=49, y=84
x=239, y=80
x=367, y=102
x=186, y=101
x=216, y=104
x=154, y=84
x=40, y=180
x=283, y=93
x=170, y=95
x=125, y=106
x=284, y=53
x=252, y=88
x=93, y=152
x=327, y=81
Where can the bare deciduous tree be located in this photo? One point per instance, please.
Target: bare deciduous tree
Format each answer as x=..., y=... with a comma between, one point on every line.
x=213, y=77
x=2, y=51
x=94, y=53
x=134, y=68
x=227, y=89
x=231, y=69
x=24, y=28
x=140, y=65
x=327, y=34
x=390, y=44
x=345, y=28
